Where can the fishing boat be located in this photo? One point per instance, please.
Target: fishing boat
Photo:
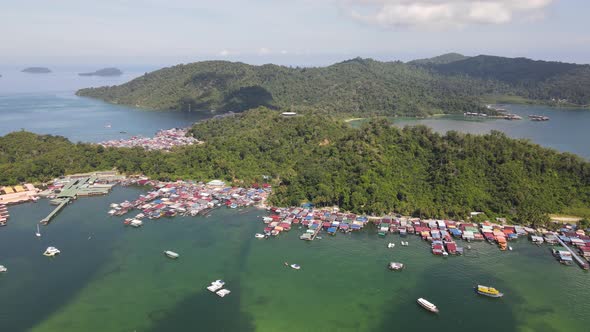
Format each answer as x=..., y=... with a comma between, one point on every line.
x=488, y=291
x=38, y=234
x=390, y=245
x=259, y=236
x=136, y=223
x=51, y=251
x=171, y=254
x=394, y=266
x=3, y=268
x=427, y=305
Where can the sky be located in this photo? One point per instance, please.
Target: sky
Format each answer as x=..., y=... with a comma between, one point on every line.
x=289, y=32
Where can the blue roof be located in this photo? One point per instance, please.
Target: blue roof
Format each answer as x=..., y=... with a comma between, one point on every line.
x=332, y=230
x=355, y=226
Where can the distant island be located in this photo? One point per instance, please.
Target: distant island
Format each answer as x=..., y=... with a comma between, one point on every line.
x=36, y=70
x=451, y=83
x=104, y=72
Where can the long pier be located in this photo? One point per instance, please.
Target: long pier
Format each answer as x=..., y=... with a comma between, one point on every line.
x=53, y=213
x=581, y=261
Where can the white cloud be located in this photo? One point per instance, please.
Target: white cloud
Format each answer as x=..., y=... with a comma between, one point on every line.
x=263, y=51
x=224, y=53
x=437, y=13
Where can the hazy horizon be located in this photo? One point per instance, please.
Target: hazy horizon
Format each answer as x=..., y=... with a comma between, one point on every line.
x=296, y=33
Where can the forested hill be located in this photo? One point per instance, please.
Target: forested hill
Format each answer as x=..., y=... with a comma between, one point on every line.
x=354, y=87
x=440, y=59
x=374, y=169
x=538, y=80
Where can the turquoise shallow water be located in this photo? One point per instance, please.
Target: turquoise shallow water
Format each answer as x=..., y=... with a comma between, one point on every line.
x=119, y=280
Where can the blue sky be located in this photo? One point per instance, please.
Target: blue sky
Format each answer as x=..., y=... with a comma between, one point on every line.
x=293, y=32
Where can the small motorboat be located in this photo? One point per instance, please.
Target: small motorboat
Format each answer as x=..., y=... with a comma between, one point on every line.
x=3, y=268
x=259, y=236
x=445, y=254
x=136, y=223
x=295, y=266
x=51, y=251
x=488, y=291
x=395, y=266
x=405, y=244
x=510, y=248
x=171, y=254
x=216, y=285
x=38, y=234
x=223, y=292
x=427, y=305
x=390, y=245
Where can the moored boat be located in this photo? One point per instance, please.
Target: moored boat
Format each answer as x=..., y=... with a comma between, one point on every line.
x=390, y=245
x=427, y=305
x=259, y=236
x=223, y=292
x=395, y=266
x=51, y=251
x=3, y=268
x=488, y=291
x=171, y=254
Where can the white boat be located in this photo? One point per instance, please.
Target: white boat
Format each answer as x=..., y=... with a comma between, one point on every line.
x=405, y=244
x=259, y=236
x=136, y=223
x=295, y=266
x=223, y=292
x=171, y=254
x=395, y=266
x=38, y=234
x=51, y=251
x=510, y=248
x=216, y=285
x=427, y=305
x=114, y=205
x=390, y=245
x=112, y=212
x=3, y=268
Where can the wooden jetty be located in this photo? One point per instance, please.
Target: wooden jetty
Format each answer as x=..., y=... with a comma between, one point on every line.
x=61, y=205
x=581, y=261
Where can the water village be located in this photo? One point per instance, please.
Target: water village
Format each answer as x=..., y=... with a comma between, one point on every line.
x=189, y=198
x=571, y=245
x=164, y=140
x=168, y=199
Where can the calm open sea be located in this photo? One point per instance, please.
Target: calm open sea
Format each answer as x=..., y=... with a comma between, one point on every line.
x=113, y=278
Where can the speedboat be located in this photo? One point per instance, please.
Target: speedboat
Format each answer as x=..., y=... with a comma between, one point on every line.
x=405, y=244
x=427, y=305
x=3, y=268
x=510, y=248
x=395, y=266
x=171, y=254
x=136, y=223
x=223, y=292
x=488, y=291
x=259, y=236
x=390, y=245
x=51, y=251
x=295, y=266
